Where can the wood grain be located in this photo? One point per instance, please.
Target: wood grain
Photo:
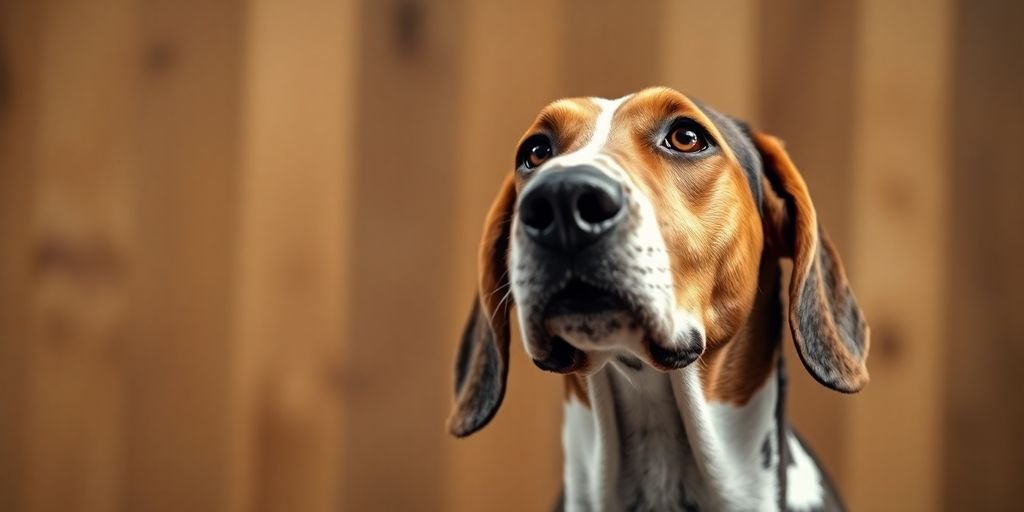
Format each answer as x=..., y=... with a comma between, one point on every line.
x=983, y=451
x=406, y=154
x=899, y=262
x=612, y=48
x=187, y=131
x=19, y=85
x=82, y=254
x=294, y=247
x=696, y=60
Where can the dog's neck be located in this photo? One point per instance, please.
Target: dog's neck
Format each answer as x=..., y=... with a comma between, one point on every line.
x=705, y=437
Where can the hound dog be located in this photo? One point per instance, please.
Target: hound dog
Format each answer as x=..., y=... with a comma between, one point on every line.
x=640, y=241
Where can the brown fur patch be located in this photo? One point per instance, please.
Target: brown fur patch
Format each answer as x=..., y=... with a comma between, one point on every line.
x=706, y=210
x=732, y=372
x=713, y=232
x=569, y=123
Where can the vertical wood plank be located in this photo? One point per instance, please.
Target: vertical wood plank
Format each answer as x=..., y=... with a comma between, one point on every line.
x=696, y=60
x=495, y=107
x=611, y=48
x=190, y=65
x=19, y=74
x=805, y=81
x=406, y=156
x=82, y=257
x=983, y=449
x=901, y=177
x=294, y=248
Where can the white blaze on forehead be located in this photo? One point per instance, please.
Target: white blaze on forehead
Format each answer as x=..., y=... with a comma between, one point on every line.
x=602, y=130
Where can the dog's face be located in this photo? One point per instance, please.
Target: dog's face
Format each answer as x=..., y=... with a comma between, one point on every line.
x=637, y=233
x=635, y=229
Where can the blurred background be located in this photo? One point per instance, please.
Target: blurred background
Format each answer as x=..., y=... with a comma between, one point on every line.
x=237, y=238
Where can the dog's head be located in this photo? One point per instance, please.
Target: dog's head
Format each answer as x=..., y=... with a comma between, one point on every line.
x=635, y=228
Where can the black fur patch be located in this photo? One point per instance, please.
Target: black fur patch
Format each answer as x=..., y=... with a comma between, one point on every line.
x=839, y=304
x=489, y=389
x=737, y=136
x=479, y=375
x=470, y=338
x=631, y=362
x=785, y=461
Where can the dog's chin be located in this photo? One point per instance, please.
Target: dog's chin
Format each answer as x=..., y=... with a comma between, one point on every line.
x=583, y=325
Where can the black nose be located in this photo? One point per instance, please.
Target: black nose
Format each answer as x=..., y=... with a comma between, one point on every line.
x=567, y=210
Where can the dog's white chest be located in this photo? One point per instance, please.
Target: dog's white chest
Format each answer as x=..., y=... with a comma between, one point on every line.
x=657, y=471
x=644, y=445
x=630, y=452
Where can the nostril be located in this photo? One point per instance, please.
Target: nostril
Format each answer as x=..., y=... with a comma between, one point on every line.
x=597, y=206
x=537, y=213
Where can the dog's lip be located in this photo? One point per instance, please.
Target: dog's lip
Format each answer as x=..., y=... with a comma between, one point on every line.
x=581, y=296
x=561, y=357
x=578, y=296
x=661, y=350
x=610, y=298
x=674, y=359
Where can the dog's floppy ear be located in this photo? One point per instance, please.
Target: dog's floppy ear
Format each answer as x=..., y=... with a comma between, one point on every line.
x=481, y=368
x=829, y=329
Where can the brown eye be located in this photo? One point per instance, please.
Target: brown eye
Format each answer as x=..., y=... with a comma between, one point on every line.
x=686, y=138
x=538, y=155
x=534, y=152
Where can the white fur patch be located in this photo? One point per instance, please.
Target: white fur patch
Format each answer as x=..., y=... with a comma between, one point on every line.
x=658, y=470
x=602, y=130
x=725, y=441
x=743, y=431
x=590, y=440
x=652, y=439
x=803, y=480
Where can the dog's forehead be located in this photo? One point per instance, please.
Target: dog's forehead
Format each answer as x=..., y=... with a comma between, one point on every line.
x=591, y=121
x=590, y=115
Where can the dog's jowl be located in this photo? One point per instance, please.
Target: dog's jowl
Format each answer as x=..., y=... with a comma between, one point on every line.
x=639, y=241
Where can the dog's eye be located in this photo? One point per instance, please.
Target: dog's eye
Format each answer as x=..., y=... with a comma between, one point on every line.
x=534, y=152
x=538, y=154
x=686, y=136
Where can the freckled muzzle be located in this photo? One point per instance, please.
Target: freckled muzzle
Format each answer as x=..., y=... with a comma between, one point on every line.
x=592, y=278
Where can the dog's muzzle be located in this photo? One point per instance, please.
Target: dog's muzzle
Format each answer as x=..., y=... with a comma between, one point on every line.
x=590, y=282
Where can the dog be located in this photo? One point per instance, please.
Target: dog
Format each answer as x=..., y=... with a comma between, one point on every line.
x=640, y=242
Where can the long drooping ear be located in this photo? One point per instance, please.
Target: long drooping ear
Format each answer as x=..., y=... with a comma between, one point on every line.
x=481, y=368
x=829, y=329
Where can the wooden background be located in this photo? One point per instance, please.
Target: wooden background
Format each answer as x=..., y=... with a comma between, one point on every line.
x=237, y=237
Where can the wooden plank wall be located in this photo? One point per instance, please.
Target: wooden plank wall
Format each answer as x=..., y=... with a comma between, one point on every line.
x=19, y=58
x=185, y=175
x=292, y=280
x=900, y=186
x=983, y=419
x=82, y=251
x=237, y=238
